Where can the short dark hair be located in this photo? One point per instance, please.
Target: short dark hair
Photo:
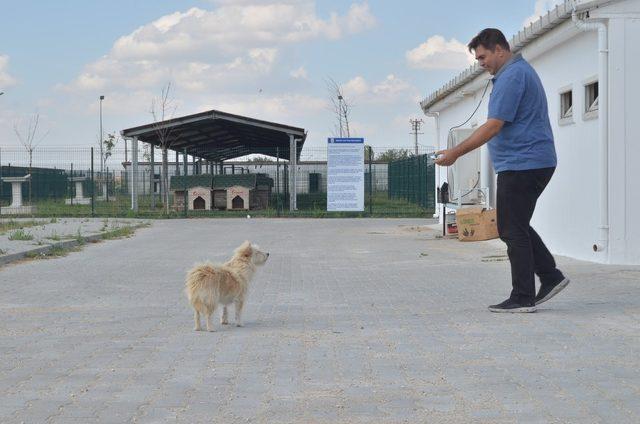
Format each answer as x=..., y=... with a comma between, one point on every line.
x=489, y=38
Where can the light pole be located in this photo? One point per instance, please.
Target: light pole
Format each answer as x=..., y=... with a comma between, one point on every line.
x=101, y=138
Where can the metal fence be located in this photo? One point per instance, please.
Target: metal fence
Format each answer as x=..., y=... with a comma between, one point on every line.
x=76, y=182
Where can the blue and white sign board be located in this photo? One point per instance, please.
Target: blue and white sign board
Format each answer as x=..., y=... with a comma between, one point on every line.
x=345, y=174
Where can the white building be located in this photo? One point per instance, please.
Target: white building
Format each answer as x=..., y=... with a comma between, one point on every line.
x=586, y=53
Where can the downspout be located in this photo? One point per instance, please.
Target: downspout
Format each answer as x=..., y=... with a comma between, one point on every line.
x=603, y=112
x=436, y=117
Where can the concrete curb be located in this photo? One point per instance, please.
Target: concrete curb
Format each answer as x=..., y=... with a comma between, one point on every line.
x=4, y=260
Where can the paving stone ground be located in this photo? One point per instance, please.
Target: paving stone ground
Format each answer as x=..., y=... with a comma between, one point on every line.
x=350, y=321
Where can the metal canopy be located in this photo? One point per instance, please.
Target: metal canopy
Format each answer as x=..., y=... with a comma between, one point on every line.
x=218, y=136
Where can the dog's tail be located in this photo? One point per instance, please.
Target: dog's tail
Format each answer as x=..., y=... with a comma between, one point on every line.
x=199, y=278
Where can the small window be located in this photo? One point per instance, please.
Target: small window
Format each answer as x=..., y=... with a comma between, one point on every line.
x=566, y=104
x=591, y=97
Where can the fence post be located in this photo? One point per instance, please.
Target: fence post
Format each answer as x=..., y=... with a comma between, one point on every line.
x=370, y=188
x=152, y=177
x=1, y=184
x=278, y=181
x=134, y=174
x=70, y=185
x=93, y=188
x=106, y=194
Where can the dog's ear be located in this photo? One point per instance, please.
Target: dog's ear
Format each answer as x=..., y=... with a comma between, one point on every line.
x=245, y=249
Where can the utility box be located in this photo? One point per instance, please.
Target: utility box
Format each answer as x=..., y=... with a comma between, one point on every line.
x=476, y=223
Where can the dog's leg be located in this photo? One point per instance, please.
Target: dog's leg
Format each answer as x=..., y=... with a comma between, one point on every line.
x=225, y=316
x=209, y=323
x=196, y=318
x=239, y=304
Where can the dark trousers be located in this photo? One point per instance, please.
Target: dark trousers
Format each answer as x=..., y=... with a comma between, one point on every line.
x=517, y=194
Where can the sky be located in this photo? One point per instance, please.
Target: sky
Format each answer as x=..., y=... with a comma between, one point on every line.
x=267, y=59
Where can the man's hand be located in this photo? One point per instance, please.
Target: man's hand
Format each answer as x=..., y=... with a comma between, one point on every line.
x=448, y=158
x=480, y=136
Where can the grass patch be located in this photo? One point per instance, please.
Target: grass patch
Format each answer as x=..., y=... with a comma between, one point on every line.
x=20, y=235
x=13, y=225
x=54, y=252
x=314, y=205
x=118, y=233
x=54, y=236
x=79, y=238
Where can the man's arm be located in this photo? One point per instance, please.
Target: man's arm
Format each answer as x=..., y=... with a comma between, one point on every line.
x=479, y=137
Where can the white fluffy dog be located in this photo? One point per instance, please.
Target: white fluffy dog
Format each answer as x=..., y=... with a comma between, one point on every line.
x=208, y=285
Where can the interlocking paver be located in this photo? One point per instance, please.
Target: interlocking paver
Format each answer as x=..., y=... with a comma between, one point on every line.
x=350, y=321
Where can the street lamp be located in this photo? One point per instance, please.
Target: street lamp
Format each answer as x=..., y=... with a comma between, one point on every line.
x=101, y=138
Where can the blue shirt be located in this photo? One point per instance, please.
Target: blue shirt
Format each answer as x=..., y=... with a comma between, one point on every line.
x=525, y=140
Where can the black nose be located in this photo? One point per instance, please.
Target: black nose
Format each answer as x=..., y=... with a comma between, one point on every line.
x=267, y=255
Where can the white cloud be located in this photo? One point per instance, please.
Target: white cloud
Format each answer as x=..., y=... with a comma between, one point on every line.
x=108, y=73
x=233, y=48
x=6, y=80
x=300, y=73
x=360, y=18
x=234, y=57
x=237, y=26
x=390, y=89
x=355, y=87
x=541, y=7
x=279, y=108
x=438, y=53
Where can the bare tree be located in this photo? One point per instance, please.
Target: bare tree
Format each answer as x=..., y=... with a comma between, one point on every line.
x=162, y=109
x=109, y=144
x=341, y=108
x=26, y=132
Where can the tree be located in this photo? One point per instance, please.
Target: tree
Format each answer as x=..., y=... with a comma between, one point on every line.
x=394, y=154
x=109, y=143
x=26, y=133
x=341, y=108
x=162, y=109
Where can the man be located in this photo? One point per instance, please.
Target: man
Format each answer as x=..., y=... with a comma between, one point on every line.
x=523, y=155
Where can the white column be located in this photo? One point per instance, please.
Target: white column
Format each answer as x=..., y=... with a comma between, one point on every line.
x=134, y=174
x=79, y=193
x=16, y=194
x=293, y=167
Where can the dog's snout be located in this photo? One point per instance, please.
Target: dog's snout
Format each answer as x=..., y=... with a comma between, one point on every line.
x=267, y=254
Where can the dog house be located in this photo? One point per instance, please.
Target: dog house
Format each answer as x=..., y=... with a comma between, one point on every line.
x=238, y=198
x=231, y=186
x=197, y=188
x=223, y=192
x=199, y=198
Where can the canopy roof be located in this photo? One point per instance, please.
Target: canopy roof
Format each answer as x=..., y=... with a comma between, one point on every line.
x=218, y=136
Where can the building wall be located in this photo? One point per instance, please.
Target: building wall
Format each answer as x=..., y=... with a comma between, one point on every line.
x=567, y=214
x=624, y=133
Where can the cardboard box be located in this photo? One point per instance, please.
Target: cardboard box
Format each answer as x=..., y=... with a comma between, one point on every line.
x=476, y=223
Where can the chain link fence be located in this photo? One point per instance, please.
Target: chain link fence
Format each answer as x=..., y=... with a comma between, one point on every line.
x=75, y=182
